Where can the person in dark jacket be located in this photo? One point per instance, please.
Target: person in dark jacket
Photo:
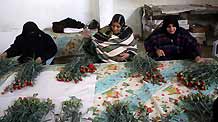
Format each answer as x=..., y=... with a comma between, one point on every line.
x=171, y=42
x=215, y=110
x=31, y=43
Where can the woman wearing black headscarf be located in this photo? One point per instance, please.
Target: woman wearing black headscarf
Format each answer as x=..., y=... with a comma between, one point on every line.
x=171, y=42
x=115, y=42
x=215, y=110
x=31, y=43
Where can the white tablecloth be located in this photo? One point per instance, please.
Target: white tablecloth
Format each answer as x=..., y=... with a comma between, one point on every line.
x=47, y=86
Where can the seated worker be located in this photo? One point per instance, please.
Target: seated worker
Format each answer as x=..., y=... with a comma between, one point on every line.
x=171, y=42
x=215, y=110
x=31, y=43
x=115, y=42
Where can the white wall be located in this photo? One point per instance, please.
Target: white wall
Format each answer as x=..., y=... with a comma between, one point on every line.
x=130, y=8
x=14, y=13
x=174, y=2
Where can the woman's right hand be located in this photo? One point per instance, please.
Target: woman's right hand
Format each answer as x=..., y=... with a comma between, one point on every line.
x=160, y=52
x=198, y=59
x=86, y=33
x=3, y=56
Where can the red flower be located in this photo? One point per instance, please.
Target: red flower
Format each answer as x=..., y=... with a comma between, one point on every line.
x=203, y=88
x=76, y=81
x=190, y=84
x=67, y=80
x=30, y=83
x=154, y=69
x=149, y=110
x=82, y=71
x=202, y=83
x=91, y=66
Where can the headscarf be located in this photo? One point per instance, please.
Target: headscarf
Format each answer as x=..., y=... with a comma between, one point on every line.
x=170, y=19
x=30, y=31
x=105, y=33
x=119, y=19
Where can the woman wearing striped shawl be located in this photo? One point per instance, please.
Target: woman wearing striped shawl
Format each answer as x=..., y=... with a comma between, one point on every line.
x=115, y=42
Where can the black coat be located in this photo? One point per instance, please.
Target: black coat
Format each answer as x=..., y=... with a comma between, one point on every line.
x=32, y=43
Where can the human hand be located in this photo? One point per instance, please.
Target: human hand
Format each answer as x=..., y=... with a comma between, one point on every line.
x=160, y=53
x=114, y=37
x=3, y=56
x=86, y=33
x=124, y=55
x=38, y=60
x=198, y=59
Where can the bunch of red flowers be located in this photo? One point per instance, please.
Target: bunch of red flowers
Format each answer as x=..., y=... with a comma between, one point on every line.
x=17, y=85
x=89, y=69
x=191, y=82
x=154, y=77
x=76, y=76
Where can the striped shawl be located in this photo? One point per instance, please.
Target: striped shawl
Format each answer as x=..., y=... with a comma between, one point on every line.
x=109, y=46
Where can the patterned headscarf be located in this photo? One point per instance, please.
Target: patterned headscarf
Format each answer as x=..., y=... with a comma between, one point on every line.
x=119, y=19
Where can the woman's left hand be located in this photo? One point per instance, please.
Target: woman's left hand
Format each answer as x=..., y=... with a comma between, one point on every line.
x=124, y=56
x=198, y=59
x=38, y=60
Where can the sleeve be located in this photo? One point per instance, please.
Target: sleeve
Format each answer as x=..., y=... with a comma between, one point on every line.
x=101, y=34
x=126, y=33
x=14, y=49
x=50, y=48
x=132, y=49
x=151, y=46
x=192, y=45
x=131, y=55
x=127, y=37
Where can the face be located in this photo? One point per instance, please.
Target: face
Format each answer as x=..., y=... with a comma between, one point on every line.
x=171, y=29
x=116, y=27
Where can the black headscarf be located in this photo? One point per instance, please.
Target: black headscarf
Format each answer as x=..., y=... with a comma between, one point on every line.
x=31, y=32
x=30, y=27
x=170, y=19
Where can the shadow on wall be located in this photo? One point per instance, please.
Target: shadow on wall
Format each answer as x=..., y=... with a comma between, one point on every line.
x=134, y=21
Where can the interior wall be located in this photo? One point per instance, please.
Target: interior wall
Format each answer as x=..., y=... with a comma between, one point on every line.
x=131, y=11
x=174, y=2
x=130, y=8
x=14, y=13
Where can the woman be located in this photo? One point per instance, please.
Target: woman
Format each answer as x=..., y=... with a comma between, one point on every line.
x=115, y=42
x=31, y=43
x=215, y=110
x=171, y=42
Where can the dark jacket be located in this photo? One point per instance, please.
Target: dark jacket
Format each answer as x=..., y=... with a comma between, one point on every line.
x=180, y=46
x=32, y=43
